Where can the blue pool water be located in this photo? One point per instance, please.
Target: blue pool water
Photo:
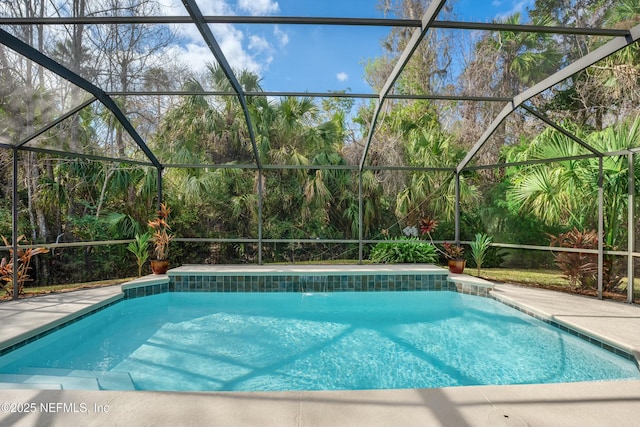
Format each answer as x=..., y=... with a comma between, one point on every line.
x=293, y=341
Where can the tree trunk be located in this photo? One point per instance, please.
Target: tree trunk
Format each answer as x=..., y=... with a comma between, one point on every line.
x=107, y=175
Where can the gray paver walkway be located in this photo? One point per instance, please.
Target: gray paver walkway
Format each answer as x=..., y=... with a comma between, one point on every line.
x=611, y=403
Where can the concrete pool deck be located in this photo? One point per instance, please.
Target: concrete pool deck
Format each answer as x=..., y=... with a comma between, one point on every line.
x=614, y=403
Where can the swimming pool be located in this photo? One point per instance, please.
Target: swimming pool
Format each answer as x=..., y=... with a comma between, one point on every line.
x=297, y=341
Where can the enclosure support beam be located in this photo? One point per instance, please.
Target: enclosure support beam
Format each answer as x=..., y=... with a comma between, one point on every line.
x=14, y=223
x=309, y=20
x=508, y=109
x=38, y=57
x=284, y=94
x=427, y=20
x=600, y=227
x=561, y=130
x=585, y=62
x=160, y=196
x=631, y=229
x=360, y=219
x=210, y=40
x=260, y=195
x=79, y=155
x=56, y=121
x=457, y=212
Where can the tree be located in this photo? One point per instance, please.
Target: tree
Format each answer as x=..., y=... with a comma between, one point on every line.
x=125, y=53
x=291, y=132
x=428, y=69
x=504, y=63
x=563, y=192
x=607, y=91
x=432, y=193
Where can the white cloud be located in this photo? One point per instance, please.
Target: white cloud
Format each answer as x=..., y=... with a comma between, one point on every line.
x=230, y=40
x=342, y=76
x=242, y=49
x=259, y=7
x=258, y=44
x=281, y=36
x=516, y=7
x=197, y=55
x=194, y=56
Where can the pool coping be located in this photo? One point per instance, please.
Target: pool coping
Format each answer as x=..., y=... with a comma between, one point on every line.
x=585, y=334
x=571, y=323
x=39, y=328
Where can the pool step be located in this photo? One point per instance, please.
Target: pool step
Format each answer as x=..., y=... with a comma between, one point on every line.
x=109, y=380
x=65, y=383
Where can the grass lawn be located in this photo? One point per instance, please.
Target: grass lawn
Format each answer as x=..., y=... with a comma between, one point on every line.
x=32, y=291
x=548, y=279
x=521, y=276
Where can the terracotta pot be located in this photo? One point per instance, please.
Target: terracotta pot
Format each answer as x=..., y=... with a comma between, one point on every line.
x=456, y=266
x=159, y=266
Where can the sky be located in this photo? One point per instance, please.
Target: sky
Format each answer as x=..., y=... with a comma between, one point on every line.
x=307, y=58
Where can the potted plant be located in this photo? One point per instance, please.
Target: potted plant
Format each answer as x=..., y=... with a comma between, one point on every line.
x=454, y=255
x=161, y=238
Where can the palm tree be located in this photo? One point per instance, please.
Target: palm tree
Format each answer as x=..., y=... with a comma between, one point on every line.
x=521, y=58
x=432, y=193
x=291, y=133
x=550, y=191
x=624, y=14
x=562, y=193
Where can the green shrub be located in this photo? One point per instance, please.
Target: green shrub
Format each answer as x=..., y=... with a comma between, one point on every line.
x=404, y=250
x=579, y=268
x=479, y=248
x=140, y=249
x=494, y=257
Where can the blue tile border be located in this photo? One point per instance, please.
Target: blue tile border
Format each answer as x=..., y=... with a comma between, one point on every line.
x=292, y=283
x=55, y=328
x=144, y=290
x=606, y=346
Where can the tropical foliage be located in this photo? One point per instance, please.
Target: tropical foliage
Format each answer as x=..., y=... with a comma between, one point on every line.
x=22, y=259
x=404, y=250
x=140, y=249
x=579, y=268
x=479, y=247
x=527, y=182
x=161, y=233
